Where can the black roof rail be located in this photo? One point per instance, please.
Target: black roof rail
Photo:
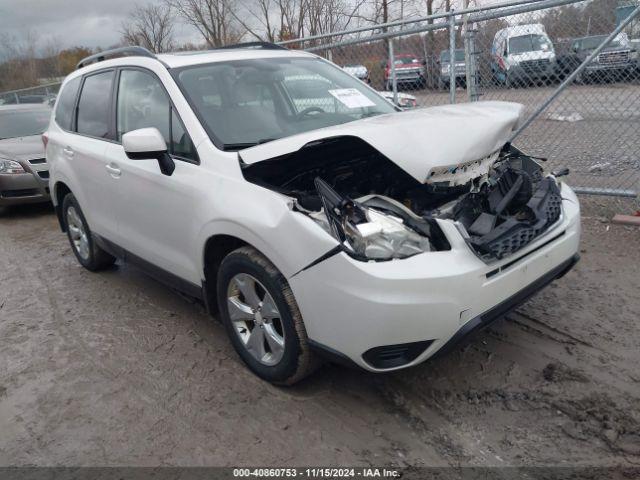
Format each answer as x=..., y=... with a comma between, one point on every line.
x=116, y=52
x=256, y=45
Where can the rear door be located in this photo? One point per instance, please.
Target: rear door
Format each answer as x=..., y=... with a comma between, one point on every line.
x=96, y=185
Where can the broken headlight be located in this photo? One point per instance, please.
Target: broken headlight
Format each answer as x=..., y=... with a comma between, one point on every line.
x=366, y=232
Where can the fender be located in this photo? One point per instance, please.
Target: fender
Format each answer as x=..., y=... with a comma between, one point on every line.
x=299, y=240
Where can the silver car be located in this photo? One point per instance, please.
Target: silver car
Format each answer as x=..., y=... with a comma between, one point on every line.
x=24, y=174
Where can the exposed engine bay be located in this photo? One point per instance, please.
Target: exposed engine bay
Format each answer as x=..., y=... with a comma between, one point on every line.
x=377, y=211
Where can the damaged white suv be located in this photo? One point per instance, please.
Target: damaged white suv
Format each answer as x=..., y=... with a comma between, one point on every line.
x=295, y=201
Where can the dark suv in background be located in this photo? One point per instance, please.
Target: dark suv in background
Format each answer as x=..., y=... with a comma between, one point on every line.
x=618, y=60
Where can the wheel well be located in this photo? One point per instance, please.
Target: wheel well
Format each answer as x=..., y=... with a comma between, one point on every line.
x=216, y=248
x=60, y=190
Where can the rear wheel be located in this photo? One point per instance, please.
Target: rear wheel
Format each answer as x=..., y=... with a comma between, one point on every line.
x=262, y=318
x=90, y=255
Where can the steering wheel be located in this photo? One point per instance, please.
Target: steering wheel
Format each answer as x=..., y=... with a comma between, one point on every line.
x=309, y=110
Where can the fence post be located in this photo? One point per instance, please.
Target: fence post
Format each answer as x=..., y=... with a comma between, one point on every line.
x=470, y=62
x=392, y=63
x=452, y=57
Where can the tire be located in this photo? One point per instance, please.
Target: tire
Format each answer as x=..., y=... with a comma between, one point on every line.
x=88, y=254
x=280, y=354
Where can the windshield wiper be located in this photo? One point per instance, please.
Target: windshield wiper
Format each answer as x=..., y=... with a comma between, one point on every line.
x=240, y=146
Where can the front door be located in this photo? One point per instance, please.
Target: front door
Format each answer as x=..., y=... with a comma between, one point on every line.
x=155, y=220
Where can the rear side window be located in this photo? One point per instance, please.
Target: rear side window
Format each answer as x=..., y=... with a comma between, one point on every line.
x=95, y=105
x=66, y=104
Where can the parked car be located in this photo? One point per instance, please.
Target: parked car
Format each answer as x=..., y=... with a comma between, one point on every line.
x=460, y=72
x=359, y=71
x=617, y=60
x=409, y=71
x=522, y=54
x=24, y=174
x=403, y=100
x=350, y=231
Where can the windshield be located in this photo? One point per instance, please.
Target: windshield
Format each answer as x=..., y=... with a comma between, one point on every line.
x=405, y=60
x=16, y=123
x=529, y=43
x=444, y=56
x=246, y=102
x=591, y=43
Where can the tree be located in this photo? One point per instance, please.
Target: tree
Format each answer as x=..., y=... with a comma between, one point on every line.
x=273, y=20
x=213, y=19
x=150, y=26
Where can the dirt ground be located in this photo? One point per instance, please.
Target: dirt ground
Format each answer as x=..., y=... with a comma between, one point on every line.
x=115, y=369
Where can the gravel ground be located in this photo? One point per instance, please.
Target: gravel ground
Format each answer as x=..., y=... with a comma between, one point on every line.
x=115, y=369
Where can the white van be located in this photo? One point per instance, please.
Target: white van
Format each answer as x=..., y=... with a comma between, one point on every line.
x=522, y=54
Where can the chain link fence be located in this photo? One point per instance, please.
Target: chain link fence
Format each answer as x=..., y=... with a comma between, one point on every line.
x=573, y=64
x=41, y=94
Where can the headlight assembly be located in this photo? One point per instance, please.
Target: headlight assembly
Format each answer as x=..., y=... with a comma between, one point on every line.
x=10, y=167
x=367, y=233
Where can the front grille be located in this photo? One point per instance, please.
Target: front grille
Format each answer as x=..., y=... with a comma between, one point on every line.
x=613, y=58
x=44, y=174
x=37, y=161
x=521, y=234
x=26, y=192
x=535, y=65
x=407, y=74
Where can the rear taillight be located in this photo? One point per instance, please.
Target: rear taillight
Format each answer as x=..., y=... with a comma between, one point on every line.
x=45, y=140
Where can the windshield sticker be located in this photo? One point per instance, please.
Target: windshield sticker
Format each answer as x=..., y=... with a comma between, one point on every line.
x=351, y=98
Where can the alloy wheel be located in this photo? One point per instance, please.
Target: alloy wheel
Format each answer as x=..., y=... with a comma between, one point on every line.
x=77, y=233
x=256, y=319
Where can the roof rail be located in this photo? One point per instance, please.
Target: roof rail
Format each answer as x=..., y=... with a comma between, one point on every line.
x=255, y=45
x=116, y=52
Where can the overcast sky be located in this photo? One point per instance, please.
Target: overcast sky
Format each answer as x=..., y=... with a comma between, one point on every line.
x=90, y=23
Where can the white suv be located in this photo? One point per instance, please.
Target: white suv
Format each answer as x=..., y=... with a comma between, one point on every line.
x=301, y=206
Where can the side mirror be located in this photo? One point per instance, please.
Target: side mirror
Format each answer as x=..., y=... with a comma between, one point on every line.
x=148, y=144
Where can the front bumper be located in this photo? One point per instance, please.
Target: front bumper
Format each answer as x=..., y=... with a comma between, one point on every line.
x=520, y=73
x=22, y=188
x=600, y=69
x=431, y=299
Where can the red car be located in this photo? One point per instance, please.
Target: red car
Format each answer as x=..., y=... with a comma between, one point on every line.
x=409, y=70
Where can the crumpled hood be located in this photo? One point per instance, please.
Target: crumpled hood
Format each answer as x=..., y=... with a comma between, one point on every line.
x=419, y=141
x=22, y=148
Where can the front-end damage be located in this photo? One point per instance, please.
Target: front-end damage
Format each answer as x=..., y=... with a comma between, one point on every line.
x=377, y=211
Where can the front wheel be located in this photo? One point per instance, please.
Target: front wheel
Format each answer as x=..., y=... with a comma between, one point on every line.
x=262, y=318
x=90, y=255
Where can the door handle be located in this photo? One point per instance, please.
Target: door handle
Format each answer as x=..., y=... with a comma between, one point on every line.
x=113, y=171
x=68, y=151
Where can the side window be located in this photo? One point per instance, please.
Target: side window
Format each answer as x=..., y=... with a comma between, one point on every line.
x=94, y=106
x=66, y=103
x=181, y=144
x=143, y=103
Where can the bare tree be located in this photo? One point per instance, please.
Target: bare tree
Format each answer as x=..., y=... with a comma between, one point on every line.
x=150, y=26
x=213, y=19
x=273, y=20
x=20, y=68
x=326, y=16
